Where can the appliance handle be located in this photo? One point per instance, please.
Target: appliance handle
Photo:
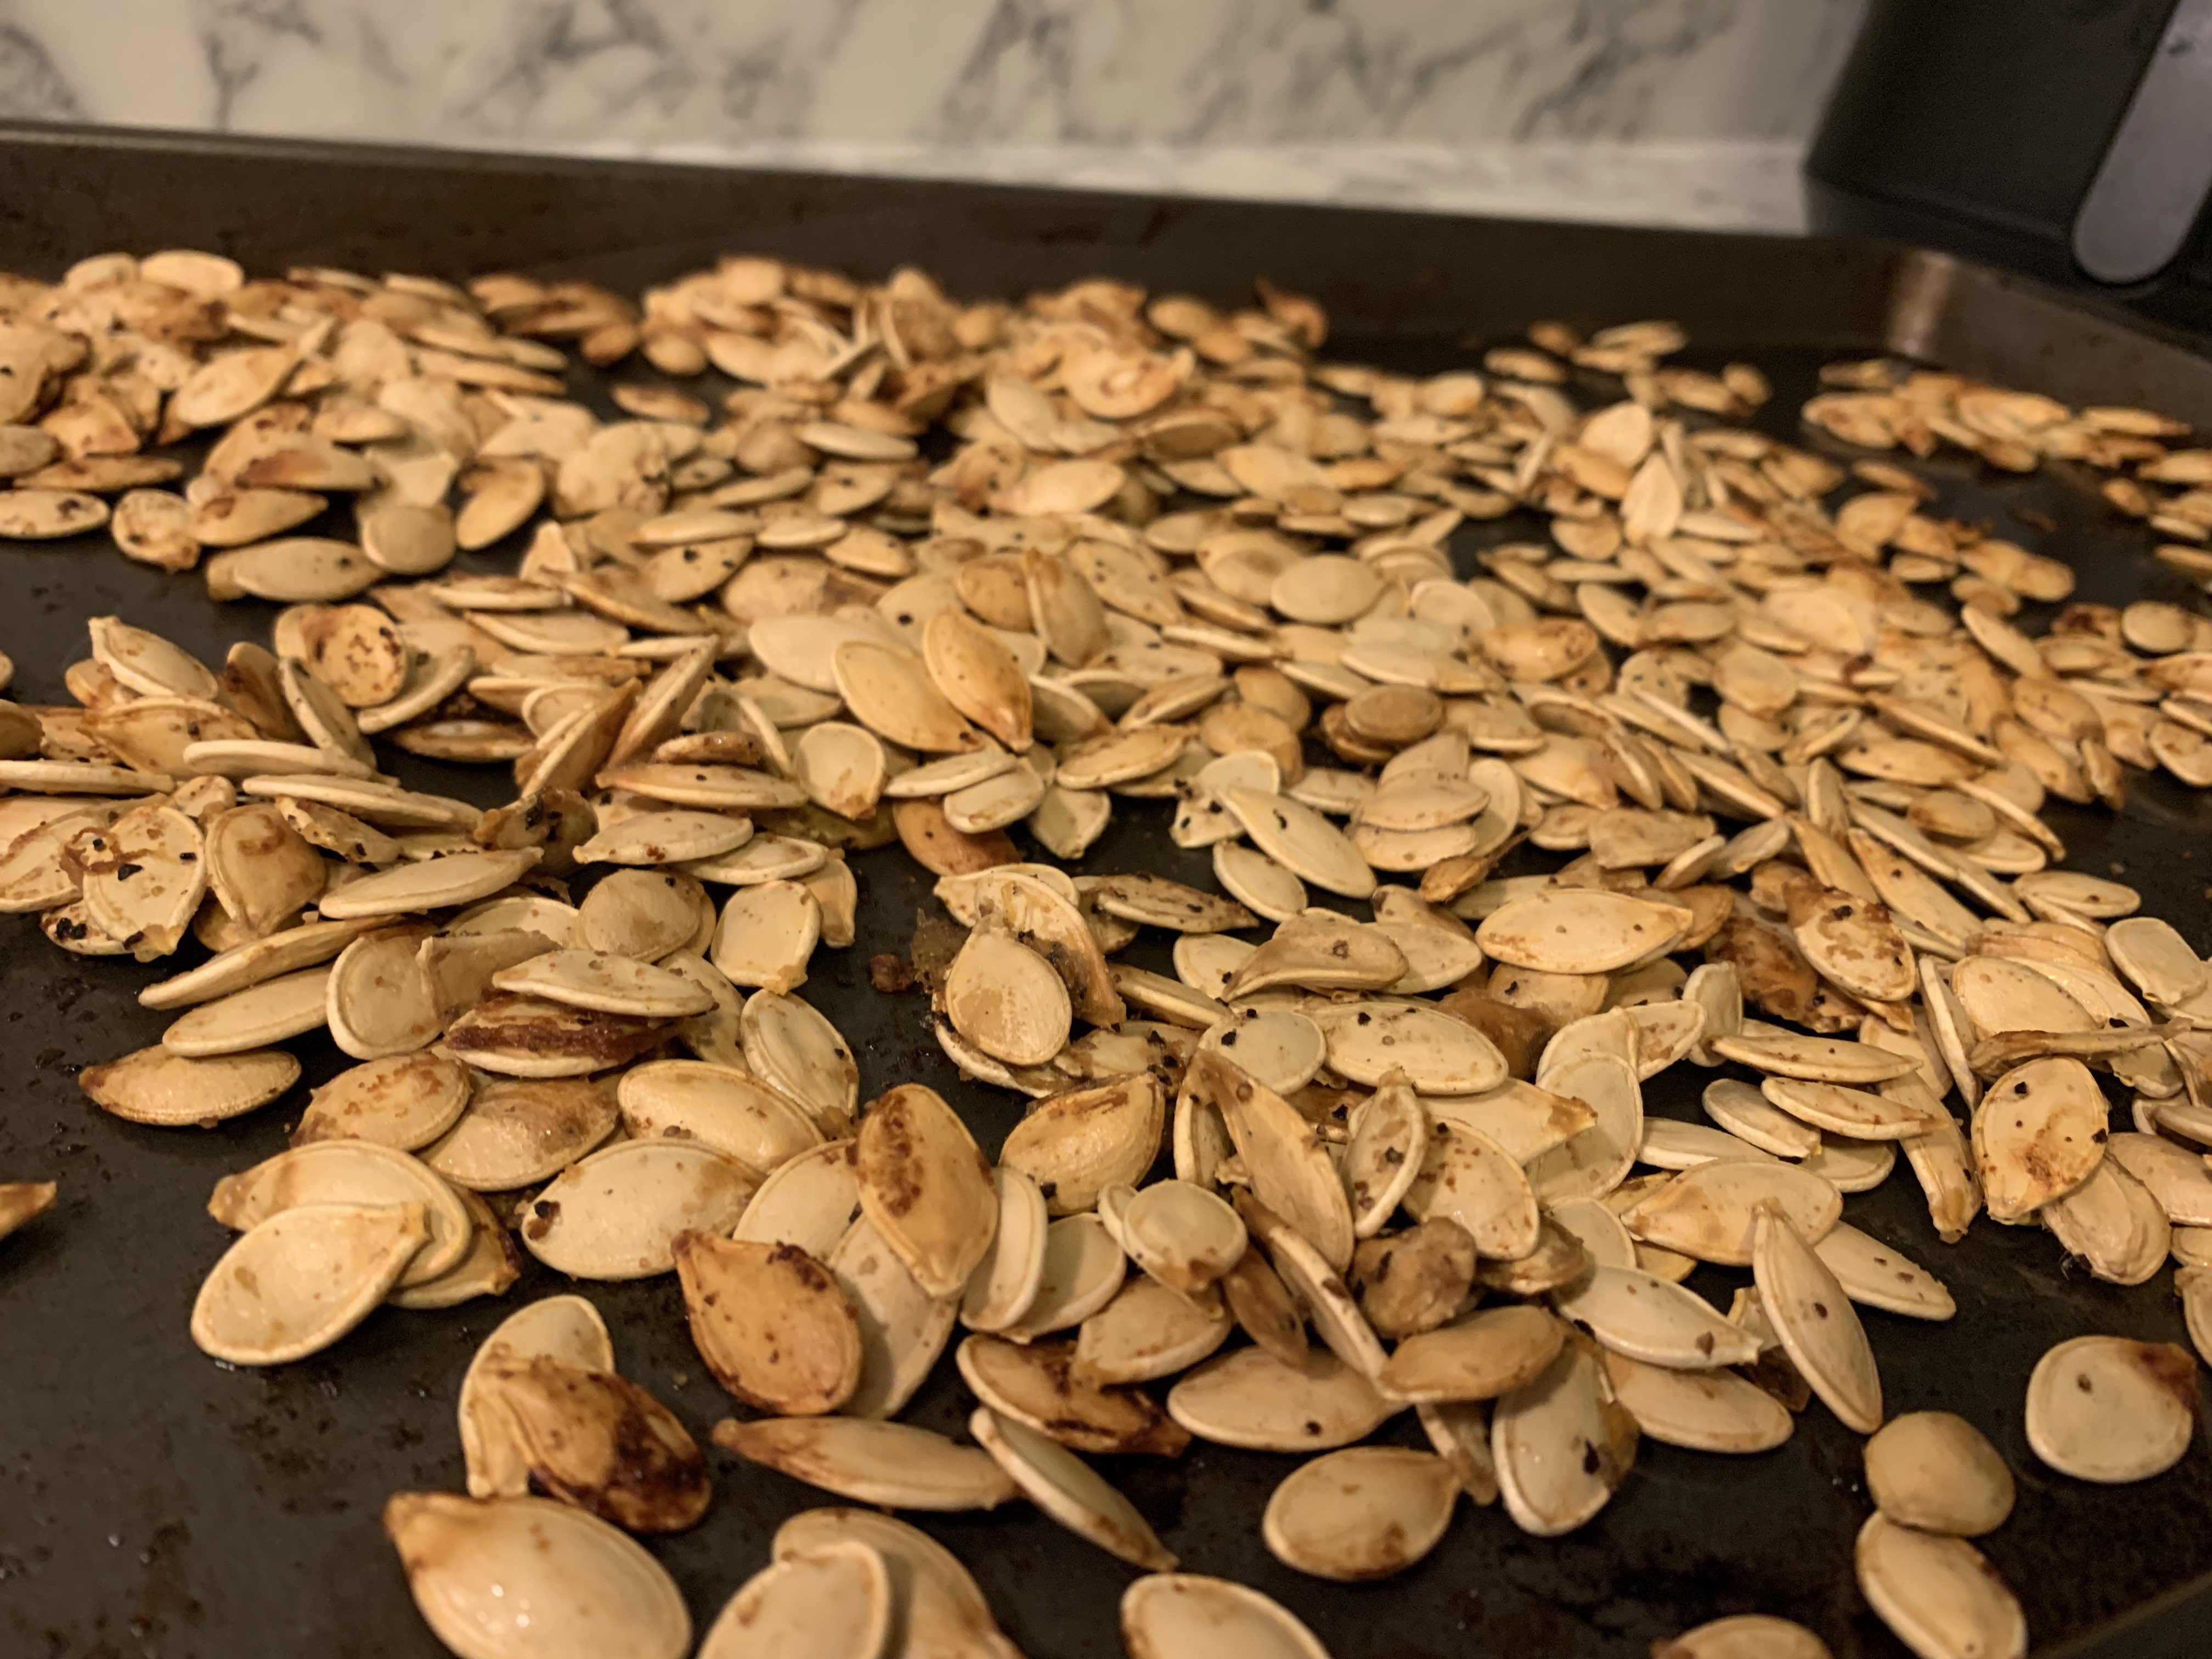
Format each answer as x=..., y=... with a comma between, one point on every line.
x=2157, y=171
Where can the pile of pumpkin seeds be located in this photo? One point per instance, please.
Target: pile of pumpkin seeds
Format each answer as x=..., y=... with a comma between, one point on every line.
x=918, y=570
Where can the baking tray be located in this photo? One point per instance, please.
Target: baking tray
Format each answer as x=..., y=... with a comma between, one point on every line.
x=155, y=1503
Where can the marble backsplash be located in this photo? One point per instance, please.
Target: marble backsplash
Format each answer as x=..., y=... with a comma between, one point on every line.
x=1659, y=111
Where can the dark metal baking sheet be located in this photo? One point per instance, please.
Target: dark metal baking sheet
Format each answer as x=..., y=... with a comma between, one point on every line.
x=153, y=1502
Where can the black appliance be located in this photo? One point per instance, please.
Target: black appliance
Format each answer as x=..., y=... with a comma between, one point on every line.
x=2067, y=139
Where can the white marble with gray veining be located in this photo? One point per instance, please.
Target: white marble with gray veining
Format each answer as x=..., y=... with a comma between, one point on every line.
x=1679, y=112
